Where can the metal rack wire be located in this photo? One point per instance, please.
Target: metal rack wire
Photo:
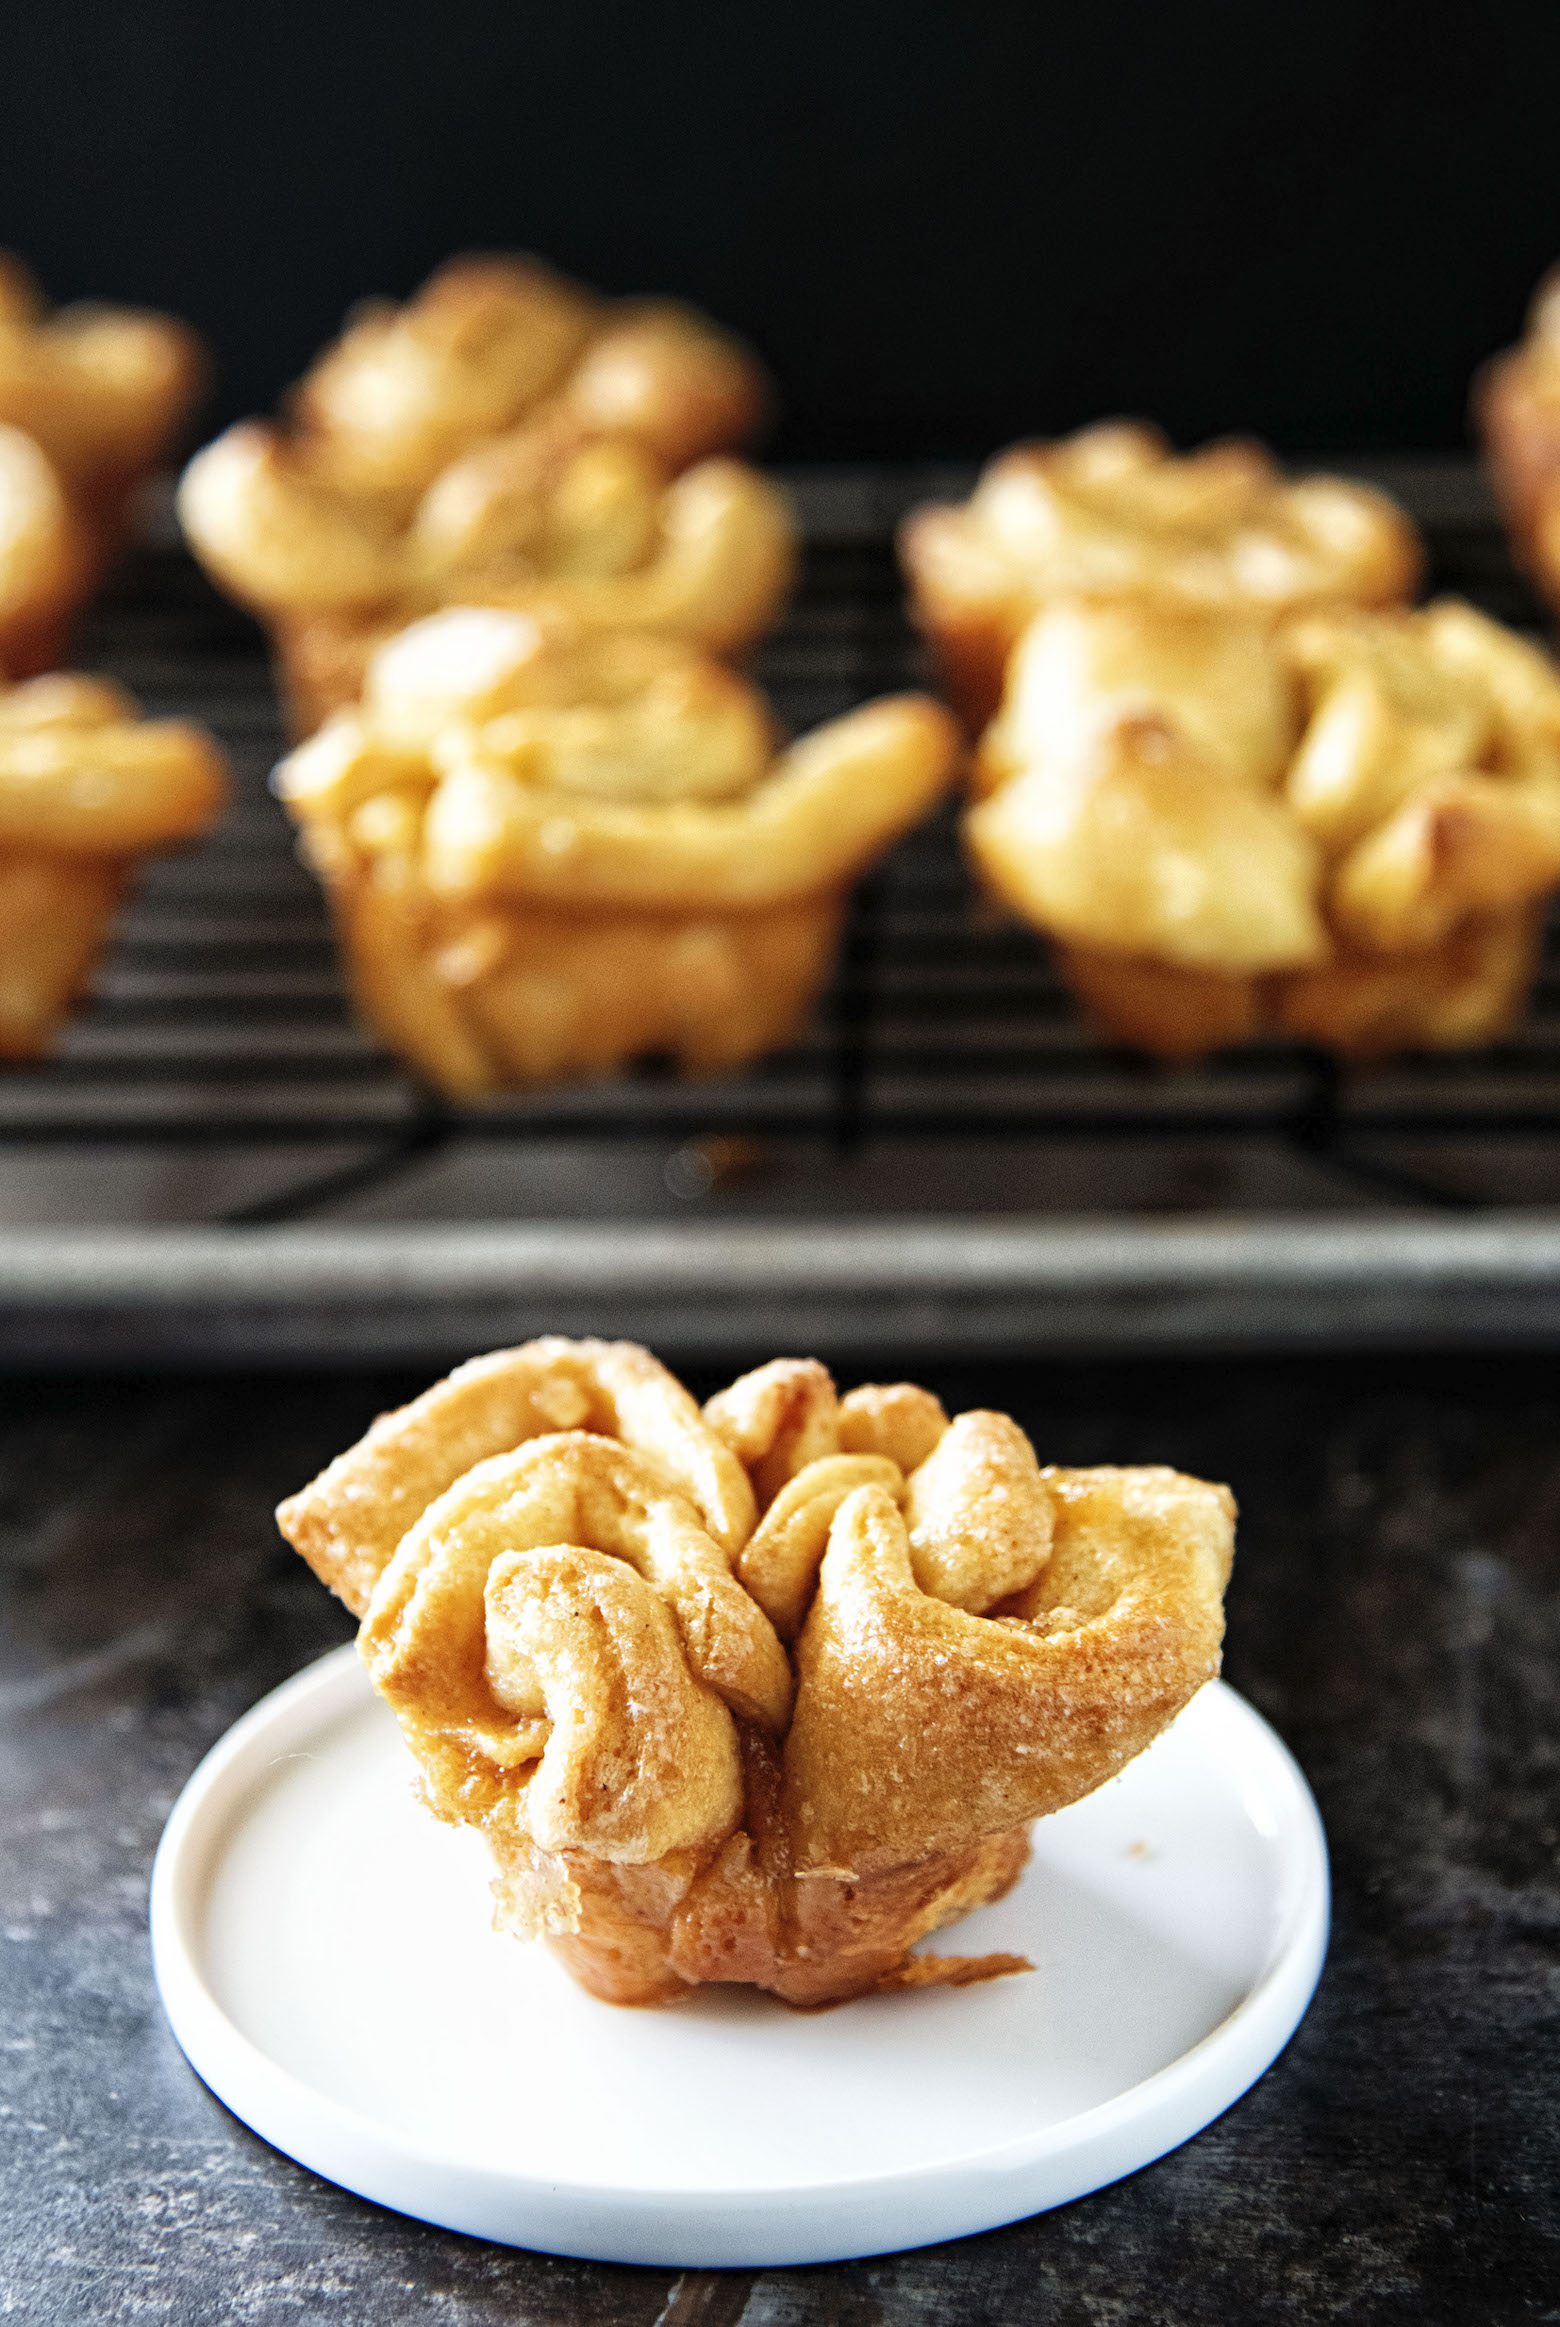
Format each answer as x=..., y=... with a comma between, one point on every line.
x=218, y=1024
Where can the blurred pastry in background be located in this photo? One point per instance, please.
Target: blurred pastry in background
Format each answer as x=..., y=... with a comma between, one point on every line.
x=505, y=438
x=86, y=787
x=1113, y=513
x=93, y=399
x=550, y=849
x=761, y=1692
x=1516, y=407
x=1339, y=829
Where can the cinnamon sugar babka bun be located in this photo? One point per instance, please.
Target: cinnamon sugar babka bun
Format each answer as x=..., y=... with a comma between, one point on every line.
x=1339, y=829
x=86, y=788
x=551, y=849
x=1112, y=514
x=761, y=1693
x=92, y=400
x=505, y=438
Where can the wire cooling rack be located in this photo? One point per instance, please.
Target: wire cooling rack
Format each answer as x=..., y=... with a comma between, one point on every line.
x=220, y=1159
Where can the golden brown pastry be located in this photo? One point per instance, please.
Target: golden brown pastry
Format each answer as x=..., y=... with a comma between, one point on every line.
x=505, y=439
x=92, y=399
x=1341, y=829
x=86, y=787
x=551, y=849
x=763, y=1693
x=48, y=558
x=1112, y=513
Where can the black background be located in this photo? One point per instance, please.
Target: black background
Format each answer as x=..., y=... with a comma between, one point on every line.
x=945, y=223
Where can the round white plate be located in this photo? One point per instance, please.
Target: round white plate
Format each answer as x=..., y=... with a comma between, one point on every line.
x=324, y=1952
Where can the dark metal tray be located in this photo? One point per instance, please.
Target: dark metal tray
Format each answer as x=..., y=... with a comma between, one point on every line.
x=219, y=1160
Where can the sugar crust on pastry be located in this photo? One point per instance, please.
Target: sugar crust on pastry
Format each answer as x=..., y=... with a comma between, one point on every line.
x=550, y=849
x=504, y=438
x=1112, y=513
x=1339, y=828
x=765, y=1692
x=86, y=787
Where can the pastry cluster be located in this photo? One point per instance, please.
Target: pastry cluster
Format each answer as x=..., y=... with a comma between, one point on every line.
x=501, y=545
x=551, y=848
x=765, y=1692
x=86, y=787
x=92, y=400
x=1112, y=514
x=504, y=439
x=1340, y=828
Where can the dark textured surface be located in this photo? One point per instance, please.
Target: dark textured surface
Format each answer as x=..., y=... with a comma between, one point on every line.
x=1396, y=1613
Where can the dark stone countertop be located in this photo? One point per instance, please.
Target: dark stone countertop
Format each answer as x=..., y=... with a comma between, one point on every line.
x=1396, y=1613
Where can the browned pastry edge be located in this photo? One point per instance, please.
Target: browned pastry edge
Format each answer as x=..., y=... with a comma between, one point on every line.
x=570, y=994
x=1162, y=1007
x=970, y=651
x=1470, y=989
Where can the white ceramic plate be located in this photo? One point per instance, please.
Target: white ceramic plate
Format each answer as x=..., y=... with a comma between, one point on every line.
x=324, y=1953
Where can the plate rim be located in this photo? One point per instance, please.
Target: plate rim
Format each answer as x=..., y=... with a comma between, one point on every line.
x=680, y=2225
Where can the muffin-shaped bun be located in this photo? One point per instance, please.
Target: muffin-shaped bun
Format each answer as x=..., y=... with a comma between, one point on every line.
x=577, y=1591
x=550, y=848
x=1341, y=827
